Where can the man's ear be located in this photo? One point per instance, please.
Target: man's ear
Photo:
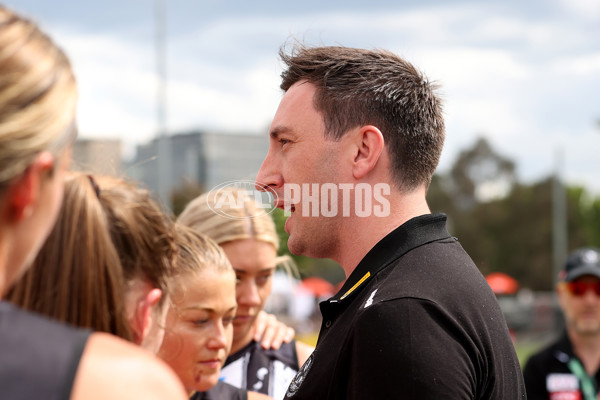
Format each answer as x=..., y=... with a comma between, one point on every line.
x=143, y=314
x=370, y=144
x=561, y=293
x=25, y=189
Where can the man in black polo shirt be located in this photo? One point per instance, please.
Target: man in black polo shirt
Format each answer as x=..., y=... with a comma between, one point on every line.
x=570, y=367
x=353, y=145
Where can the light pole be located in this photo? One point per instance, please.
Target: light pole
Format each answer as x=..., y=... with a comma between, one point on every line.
x=559, y=223
x=163, y=143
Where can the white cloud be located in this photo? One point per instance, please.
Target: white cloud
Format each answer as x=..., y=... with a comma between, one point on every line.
x=586, y=65
x=586, y=9
x=117, y=85
x=192, y=105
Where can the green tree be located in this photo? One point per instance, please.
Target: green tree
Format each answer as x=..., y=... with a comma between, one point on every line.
x=181, y=196
x=585, y=216
x=480, y=174
x=511, y=233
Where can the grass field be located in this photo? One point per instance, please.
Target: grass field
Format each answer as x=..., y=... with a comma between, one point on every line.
x=525, y=350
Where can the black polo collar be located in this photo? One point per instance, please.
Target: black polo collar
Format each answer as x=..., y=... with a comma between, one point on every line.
x=564, y=349
x=412, y=234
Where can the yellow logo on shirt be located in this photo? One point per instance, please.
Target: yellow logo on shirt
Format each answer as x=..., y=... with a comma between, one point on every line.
x=364, y=278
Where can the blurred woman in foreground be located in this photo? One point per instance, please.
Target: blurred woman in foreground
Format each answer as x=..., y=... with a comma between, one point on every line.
x=42, y=358
x=106, y=262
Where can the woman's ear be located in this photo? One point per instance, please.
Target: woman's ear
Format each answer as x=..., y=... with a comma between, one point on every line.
x=25, y=189
x=370, y=144
x=143, y=315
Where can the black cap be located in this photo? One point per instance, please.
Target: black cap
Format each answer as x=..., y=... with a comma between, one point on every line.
x=582, y=262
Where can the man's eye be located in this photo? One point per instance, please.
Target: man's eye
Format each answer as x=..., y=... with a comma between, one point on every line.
x=283, y=141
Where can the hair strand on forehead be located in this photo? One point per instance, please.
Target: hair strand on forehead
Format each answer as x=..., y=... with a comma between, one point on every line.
x=197, y=253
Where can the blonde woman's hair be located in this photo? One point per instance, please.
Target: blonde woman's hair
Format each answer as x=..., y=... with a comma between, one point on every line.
x=38, y=95
x=77, y=276
x=232, y=222
x=241, y=219
x=197, y=253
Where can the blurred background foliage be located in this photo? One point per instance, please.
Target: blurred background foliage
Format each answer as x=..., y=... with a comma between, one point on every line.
x=506, y=225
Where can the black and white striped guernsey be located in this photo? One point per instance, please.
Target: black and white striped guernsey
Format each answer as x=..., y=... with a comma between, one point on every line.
x=265, y=371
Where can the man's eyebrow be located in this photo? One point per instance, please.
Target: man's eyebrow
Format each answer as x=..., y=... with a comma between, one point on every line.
x=275, y=132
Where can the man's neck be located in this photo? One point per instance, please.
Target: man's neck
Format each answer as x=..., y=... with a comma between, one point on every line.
x=362, y=234
x=587, y=349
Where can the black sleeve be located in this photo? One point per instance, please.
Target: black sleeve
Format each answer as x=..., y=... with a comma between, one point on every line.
x=225, y=391
x=78, y=348
x=534, y=375
x=408, y=349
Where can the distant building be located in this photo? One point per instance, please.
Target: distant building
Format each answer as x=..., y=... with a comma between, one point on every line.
x=101, y=156
x=199, y=158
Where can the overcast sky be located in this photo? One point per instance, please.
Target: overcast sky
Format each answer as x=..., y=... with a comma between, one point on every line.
x=525, y=74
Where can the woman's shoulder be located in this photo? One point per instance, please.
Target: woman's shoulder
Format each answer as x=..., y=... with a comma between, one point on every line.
x=112, y=368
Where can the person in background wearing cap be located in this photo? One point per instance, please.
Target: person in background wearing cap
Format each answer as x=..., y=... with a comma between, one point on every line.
x=569, y=368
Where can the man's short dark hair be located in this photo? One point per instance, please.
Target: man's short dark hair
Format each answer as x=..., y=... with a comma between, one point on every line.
x=357, y=87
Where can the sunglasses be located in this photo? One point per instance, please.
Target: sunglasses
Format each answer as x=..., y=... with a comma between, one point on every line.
x=580, y=288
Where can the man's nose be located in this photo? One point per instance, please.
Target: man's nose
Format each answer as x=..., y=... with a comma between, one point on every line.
x=269, y=176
